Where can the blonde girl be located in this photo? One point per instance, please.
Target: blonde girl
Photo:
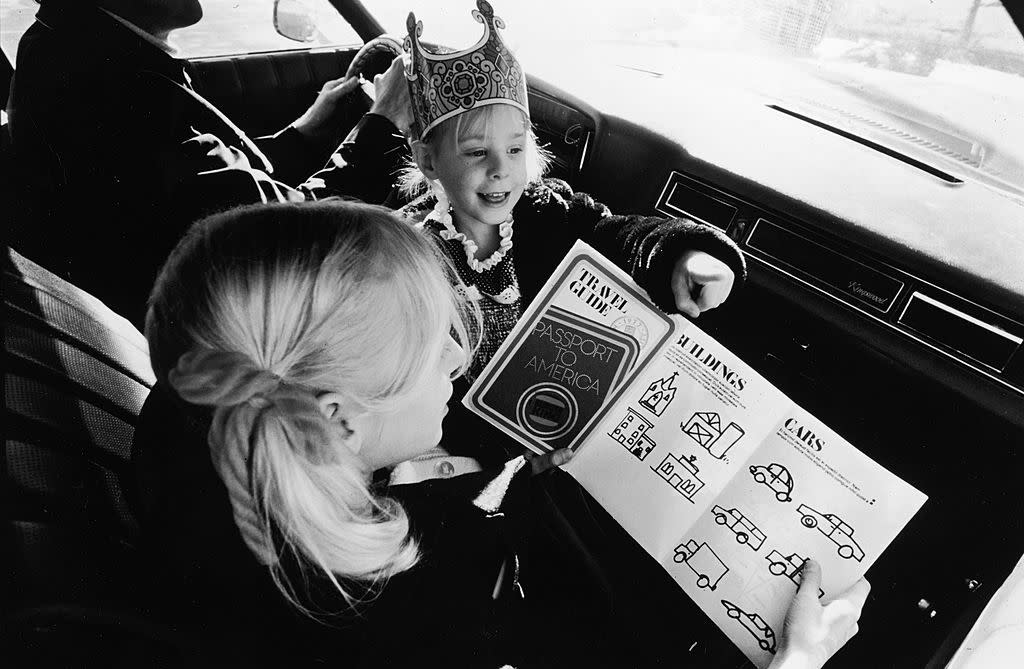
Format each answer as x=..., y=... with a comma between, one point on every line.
x=300, y=350
x=478, y=172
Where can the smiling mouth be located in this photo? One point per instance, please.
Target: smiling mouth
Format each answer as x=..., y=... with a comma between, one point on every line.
x=494, y=199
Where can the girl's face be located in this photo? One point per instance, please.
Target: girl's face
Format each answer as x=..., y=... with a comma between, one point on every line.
x=414, y=425
x=484, y=171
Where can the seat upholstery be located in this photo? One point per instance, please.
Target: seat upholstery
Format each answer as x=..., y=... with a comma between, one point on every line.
x=75, y=377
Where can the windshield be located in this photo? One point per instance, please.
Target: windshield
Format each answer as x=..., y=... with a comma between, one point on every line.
x=941, y=81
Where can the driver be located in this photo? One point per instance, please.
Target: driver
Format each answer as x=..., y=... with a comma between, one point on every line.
x=115, y=152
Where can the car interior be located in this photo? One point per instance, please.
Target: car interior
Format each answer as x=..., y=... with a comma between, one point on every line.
x=885, y=295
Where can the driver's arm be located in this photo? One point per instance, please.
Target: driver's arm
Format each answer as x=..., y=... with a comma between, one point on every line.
x=366, y=164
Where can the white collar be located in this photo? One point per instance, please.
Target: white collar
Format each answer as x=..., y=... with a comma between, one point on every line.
x=442, y=214
x=161, y=44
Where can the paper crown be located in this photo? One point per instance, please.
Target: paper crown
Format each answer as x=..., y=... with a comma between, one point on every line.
x=444, y=85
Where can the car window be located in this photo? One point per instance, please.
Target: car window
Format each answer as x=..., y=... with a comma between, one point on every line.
x=15, y=18
x=247, y=26
x=943, y=80
x=228, y=27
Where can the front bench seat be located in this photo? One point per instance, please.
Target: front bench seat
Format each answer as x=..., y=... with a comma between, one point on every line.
x=75, y=377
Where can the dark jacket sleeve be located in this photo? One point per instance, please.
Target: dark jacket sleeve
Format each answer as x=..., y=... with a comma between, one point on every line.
x=294, y=156
x=647, y=247
x=366, y=164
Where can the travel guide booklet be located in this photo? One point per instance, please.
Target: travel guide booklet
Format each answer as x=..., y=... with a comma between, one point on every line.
x=722, y=478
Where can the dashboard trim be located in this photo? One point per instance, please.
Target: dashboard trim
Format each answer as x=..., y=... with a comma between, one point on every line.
x=674, y=179
x=753, y=229
x=970, y=364
x=994, y=329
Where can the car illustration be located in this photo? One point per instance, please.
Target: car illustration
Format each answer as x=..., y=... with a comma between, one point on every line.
x=746, y=532
x=702, y=561
x=788, y=566
x=833, y=527
x=754, y=624
x=776, y=477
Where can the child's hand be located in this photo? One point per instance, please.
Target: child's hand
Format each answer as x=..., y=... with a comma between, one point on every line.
x=700, y=282
x=813, y=633
x=541, y=463
x=391, y=96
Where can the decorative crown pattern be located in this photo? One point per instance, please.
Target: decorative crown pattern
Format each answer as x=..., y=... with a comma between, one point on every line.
x=444, y=85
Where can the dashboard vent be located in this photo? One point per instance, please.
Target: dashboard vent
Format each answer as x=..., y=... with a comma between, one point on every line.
x=688, y=198
x=947, y=326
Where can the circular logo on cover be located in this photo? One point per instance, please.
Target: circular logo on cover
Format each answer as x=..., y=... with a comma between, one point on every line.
x=634, y=327
x=547, y=410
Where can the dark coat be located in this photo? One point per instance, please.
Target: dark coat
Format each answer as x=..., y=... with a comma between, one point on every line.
x=582, y=594
x=115, y=155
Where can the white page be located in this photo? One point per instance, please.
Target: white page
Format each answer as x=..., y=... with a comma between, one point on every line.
x=719, y=411
x=834, y=505
x=676, y=454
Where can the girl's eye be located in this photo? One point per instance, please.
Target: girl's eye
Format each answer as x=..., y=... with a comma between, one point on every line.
x=477, y=153
x=515, y=150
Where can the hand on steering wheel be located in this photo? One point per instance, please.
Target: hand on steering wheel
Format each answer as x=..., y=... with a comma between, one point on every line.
x=373, y=58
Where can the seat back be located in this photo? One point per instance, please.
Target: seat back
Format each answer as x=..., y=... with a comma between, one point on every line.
x=75, y=377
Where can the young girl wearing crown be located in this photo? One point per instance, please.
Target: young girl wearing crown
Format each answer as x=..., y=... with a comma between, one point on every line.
x=506, y=227
x=299, y=349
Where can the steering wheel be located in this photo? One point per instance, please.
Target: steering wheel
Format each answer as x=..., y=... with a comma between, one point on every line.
x=374, y=57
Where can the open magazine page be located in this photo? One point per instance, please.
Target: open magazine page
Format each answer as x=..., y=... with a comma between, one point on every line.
x=714, y=471
x=670, y=441
x=589, y=330
x=804, y=493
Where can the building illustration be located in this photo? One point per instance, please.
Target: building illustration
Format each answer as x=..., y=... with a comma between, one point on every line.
x=702, y=561
x=631, y=432
x=681, y=474
x=659, y=394
x=705, y=427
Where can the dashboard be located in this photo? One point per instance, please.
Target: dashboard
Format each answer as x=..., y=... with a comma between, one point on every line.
x=926, y=265
x=885, y=295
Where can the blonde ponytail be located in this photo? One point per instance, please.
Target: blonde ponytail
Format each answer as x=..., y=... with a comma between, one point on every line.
x=260, y=309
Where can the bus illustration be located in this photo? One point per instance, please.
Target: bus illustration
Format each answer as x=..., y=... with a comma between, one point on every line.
x=746, y=532
x=702, y=561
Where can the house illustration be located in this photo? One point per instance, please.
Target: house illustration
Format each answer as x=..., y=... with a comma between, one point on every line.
x=705, y=427
x=659, y=394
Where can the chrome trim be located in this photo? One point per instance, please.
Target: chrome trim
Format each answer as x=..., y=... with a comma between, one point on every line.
x=673, y=180
x=583, y=153
x=994, y=329
x=895, y=297
x=964, y=361
x=908, y=334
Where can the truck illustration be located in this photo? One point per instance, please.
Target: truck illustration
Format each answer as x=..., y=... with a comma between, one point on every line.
x=776, y=477
x=702, y=561
x=754, y=624
x=833, y=527
x=788, y=566
x=746, y=532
